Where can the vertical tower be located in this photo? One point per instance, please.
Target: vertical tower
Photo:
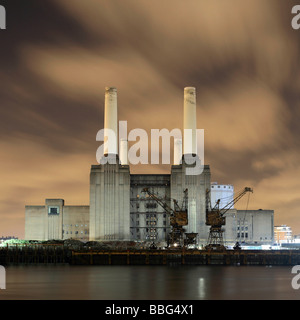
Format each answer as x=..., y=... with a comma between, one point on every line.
x=110, y=183
x=111, y=121
x=180, y=180
x=189, y=121
x=54, y=220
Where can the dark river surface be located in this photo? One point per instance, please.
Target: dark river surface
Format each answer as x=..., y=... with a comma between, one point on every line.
x=65, y=282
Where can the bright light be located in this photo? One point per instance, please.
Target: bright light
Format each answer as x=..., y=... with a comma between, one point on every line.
x=265, y=247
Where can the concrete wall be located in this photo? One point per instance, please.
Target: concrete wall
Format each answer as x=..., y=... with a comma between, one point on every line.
x=249, y=226
x=56, y=221
x=76, y=222
x=35, y=220
x=110, y=202
x=224, y=192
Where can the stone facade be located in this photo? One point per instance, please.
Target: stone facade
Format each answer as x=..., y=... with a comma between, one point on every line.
x=54, y=220
x=249, y=226
x=110, y=202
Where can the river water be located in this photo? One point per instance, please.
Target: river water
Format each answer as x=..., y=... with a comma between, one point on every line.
x=65, y=282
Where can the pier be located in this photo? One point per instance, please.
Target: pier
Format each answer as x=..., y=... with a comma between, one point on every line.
x=188, y=257
x=58, y=254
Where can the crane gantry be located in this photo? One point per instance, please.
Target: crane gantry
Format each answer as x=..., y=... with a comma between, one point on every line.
x=215, y=218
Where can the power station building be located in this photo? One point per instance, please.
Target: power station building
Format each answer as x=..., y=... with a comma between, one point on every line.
x=119, y=210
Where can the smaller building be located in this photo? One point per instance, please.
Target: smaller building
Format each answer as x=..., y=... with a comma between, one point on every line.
x=283, y=234
x=251, y=227
x=55, y=220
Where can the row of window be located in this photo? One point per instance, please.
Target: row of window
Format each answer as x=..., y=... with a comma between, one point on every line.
x=75, y=232
x=229, y=187
x=150, y=215
x=242, y=228
x=242, y=235
x=151, y=223
x=151, y=230
x=75, y=225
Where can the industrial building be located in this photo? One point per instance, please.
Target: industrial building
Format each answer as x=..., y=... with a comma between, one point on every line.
x=283, y=234
x=120, y=210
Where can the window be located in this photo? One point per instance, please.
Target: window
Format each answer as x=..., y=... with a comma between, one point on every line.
x=53, y=210
x=151, y=205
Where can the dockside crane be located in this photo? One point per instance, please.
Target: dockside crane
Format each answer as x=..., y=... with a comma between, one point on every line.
x=178, y=219
x=215, y=218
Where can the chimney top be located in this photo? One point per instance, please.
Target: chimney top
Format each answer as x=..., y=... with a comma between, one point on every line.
x=191, y=90
x=110, y=89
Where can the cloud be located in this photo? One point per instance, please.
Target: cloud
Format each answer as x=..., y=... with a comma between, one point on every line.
x=241, y=56
x=30, y=173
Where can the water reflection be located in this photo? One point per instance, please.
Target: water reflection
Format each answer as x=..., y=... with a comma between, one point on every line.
x=148, y=283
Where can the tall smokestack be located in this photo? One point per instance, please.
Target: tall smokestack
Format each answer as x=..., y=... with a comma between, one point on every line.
x=124, y=152
x=111, y=120
x=177, y=151
x=189, y=121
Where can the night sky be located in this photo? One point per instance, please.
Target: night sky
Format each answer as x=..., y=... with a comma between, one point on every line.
x=57, y=57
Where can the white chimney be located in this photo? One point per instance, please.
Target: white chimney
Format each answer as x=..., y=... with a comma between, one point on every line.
x=124, y=152
x=111, y=121
x=177, y=151
x=189, y=121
